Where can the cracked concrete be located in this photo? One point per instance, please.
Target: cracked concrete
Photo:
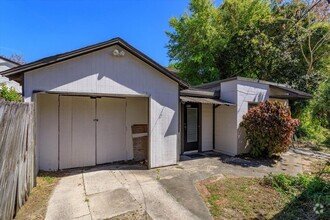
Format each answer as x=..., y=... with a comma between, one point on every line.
x=108, y=191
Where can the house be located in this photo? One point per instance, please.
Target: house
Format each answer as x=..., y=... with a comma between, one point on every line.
x=6, y=64
x=90, y=102
x=219, y=128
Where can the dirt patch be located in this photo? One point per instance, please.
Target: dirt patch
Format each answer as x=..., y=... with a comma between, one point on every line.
x=136, y=215
x=36, y=205
x=201, y=185
x=242, y=198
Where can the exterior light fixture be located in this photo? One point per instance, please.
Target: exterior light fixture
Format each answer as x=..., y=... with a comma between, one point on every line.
x=118, y=53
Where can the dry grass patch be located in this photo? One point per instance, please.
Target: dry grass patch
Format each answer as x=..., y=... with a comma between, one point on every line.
x=36, y=205
x=243, y=198
x=276, y=196
x=312, y=165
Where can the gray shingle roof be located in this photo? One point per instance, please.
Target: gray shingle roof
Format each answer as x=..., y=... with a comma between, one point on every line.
x=293, y=93
x=19, y=70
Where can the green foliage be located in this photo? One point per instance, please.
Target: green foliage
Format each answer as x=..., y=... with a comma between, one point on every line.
x=304, y=191
x=269, y=128
x=192, y=41
x=315, y=116
x=9, y=94
x=49, y=179
x=259, y=39
x=251, y=38
x=320, y=105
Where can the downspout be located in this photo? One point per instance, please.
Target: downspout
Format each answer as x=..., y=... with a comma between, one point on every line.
x=213, y=125
x=214, y=107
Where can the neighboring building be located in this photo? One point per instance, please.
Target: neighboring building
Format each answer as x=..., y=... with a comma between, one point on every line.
x=91, y=102
x=6, y=64
x=242, y=93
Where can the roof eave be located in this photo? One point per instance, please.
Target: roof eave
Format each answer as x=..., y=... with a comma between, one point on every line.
x=10, y=61
x=19, y=70
x=291, y=97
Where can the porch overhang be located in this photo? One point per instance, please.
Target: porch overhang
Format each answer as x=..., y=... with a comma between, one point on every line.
x=204, y=100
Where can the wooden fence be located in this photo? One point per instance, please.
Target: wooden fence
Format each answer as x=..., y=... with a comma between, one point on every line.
x=17, y=156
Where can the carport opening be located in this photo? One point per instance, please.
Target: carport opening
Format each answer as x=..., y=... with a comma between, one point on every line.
x=83, y=131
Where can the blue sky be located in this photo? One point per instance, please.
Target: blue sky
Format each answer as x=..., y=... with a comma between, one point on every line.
x=40, y=28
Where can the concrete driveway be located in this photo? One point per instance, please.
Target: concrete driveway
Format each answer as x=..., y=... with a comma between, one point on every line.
x=132, y=192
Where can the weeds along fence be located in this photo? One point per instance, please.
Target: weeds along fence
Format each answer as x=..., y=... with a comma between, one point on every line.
x=17, y=156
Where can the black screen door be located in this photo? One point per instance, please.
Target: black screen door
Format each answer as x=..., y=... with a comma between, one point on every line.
x=191, y=126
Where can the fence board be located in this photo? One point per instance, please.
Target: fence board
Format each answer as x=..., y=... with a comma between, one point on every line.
x=17, y=156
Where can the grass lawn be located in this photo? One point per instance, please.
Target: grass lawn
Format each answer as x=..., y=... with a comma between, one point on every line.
x=272, y=197
x=239, y=198
x=36, y=206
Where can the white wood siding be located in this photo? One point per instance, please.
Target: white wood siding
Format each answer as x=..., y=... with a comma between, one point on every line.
x=163, y=128
x=47, y=131
x=225, y=130
x=77, y=132
x=101, y=73
x=207, y=127
x=239, y=93
x=111, y=130
x=247, y=92
x=229, y=91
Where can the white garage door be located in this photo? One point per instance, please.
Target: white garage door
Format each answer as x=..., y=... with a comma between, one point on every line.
x=92, y=131
x=77, y=132
x=111, y=130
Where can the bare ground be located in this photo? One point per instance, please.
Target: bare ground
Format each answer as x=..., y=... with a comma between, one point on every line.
x=36, y=205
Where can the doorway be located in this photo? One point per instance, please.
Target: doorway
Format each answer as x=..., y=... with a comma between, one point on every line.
x=191, y=126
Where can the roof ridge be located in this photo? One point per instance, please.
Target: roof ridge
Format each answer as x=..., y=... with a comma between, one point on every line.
x=9, y=60
x=91, y=48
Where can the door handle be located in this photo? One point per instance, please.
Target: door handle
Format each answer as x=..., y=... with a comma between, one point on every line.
x=96, y=120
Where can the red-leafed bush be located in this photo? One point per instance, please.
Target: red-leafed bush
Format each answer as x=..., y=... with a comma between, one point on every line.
x=269, y=128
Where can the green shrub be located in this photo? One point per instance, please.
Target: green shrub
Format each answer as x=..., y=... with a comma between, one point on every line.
x=269, y=128
x=315, y=116
x=9, y=94
x=304, y=192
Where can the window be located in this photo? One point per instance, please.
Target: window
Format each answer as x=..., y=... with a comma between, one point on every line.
x=252, y=105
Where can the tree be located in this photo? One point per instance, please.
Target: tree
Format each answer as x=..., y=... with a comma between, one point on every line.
x=309, y=20
x=281, y=41
x=191, y=43
x=251, y=38
x=9, y=94
x=202, y=35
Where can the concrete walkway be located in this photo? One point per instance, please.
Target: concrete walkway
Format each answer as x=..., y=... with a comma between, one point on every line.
x=106, y=192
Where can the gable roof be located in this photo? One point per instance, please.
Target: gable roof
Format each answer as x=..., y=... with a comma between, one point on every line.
x=19, y=70
x=10, y=61
x=293, y=93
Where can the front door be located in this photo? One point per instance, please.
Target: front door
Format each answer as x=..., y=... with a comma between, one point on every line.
x=191, y=126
